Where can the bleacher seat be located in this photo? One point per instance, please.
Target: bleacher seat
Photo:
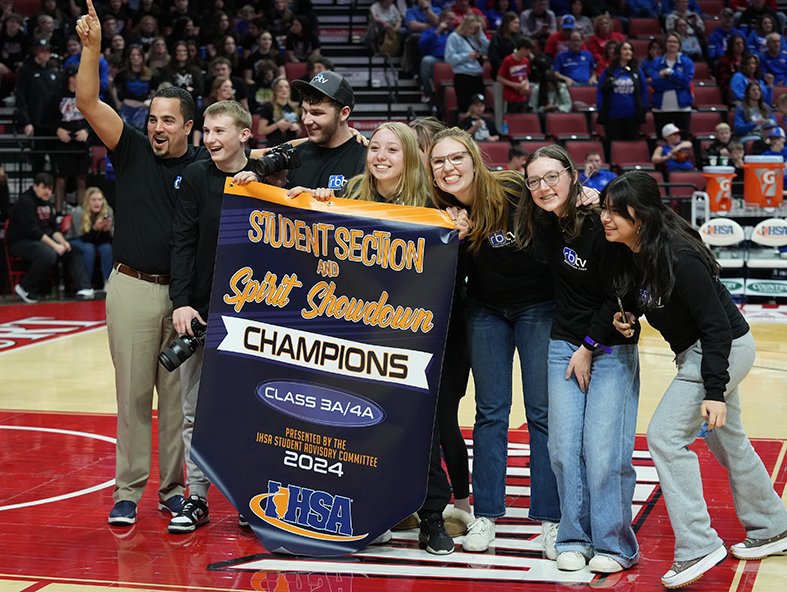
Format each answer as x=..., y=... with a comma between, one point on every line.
x=97, y=162
x=703, y=124
x=644, y=28
x=640, y=47
x=294, y=71
x=583, y=98
x=443, y=76
x=450, y=105
x=658, y=176
x=777, y=92
x=708, y=98
x=524, y=126
x=702, y=74
x=530, y=146
x=577, y=149
x=648, y=128
x=495, y=154
x=682, y=184
x=596, y=129
x=567, y=126
x=629, y=154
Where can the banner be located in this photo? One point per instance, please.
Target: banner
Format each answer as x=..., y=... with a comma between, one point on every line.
x=322, y=364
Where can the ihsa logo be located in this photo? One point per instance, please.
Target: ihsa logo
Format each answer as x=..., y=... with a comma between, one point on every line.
x=306, y=512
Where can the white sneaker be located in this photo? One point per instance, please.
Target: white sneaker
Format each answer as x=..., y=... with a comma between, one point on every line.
x=549, y=538
x=480, y=534
x=86, y=294
x=683, y=573
x=383, y=538
x=24, y=294
x=604, y=564
x=571, y=561
x=753, y=549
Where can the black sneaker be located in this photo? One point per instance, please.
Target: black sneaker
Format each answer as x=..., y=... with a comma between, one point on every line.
x=173, y=505
x=124, y=513
x=242, y=522
x=193, y=514
x=435, y=537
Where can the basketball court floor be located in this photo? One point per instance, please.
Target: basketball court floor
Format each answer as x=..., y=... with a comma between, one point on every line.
x=57, y=427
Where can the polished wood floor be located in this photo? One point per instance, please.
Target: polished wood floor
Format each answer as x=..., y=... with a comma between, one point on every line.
x=57, y=460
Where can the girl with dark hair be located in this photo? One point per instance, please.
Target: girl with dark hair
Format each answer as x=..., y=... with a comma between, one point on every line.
x=622, y=96
x=749, y=73
x=302, y=42
x=752, y=115
x=655, y=50
x=730, y=63
x=593, y=371
x=671, y=80
x=675, y=279
x=548, y=95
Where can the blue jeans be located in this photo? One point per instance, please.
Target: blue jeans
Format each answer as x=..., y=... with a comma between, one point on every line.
x=591, y=445
x=493, y=337
x=89, y=251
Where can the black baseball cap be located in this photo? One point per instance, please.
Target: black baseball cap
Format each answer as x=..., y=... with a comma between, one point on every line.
x=42, y=44
x=332, y=85
x=479, y=98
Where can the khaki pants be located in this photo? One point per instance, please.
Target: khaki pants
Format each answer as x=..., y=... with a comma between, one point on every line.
x=139, y=324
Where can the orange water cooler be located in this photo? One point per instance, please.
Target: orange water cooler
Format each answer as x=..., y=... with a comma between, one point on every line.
x=763, y=181
x=719, y=187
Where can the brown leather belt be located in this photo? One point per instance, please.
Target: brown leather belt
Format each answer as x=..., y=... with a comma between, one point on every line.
x=146, y=277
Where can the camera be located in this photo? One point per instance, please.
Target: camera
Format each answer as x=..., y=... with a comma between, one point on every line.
x=183, y=346
x=277, y=159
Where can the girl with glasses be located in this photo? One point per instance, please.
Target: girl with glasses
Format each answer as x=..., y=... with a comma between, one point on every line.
x=510, y=305
x=593, y=371
x=675, y=280
x=394, y=173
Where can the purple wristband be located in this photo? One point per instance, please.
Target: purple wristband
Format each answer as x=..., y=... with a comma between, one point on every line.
x=594, y=345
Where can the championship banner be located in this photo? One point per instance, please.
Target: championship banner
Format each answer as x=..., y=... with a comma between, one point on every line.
x=322, y=364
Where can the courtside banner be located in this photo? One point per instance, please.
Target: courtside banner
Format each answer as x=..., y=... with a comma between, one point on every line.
x=322, y=363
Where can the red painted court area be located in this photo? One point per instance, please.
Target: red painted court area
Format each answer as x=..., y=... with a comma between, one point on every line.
x=55, y=493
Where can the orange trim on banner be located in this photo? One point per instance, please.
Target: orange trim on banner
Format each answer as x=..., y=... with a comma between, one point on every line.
x=350, y=207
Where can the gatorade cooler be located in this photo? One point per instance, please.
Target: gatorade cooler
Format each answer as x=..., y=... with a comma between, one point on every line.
x=763, y=181
x=719, y=187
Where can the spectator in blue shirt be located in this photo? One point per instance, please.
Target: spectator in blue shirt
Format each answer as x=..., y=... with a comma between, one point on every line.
x=595, y=174
x=643, y=8
x=750, y=72
x=575, y=65
x=774, y=60
x=717, y=40
x=432, y=46
x=418, y=18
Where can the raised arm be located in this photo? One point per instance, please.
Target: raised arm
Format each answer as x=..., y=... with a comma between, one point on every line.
x=101, y=117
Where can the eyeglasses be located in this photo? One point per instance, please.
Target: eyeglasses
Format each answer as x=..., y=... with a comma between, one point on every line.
x=456, y=159
x=551, y=179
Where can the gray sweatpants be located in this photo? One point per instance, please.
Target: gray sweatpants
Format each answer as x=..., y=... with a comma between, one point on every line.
x=674, y=426
x=190, y=372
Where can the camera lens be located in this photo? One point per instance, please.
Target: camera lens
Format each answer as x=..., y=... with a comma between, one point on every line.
x=178, y=352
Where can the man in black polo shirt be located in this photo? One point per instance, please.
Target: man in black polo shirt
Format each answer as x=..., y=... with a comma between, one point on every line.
x=139, y=311
x=331, y=156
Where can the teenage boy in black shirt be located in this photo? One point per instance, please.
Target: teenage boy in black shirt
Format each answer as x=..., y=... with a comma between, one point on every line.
x=34, y=236
x=331, y=156
x=195, y=233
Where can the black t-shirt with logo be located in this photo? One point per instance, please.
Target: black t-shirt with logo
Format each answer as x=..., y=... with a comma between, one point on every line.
x=586, y=301
x=328, y=167
x=147, y=187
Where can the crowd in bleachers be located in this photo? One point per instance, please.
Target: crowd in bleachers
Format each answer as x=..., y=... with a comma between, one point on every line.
x=629, y=68
x=634, y=69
